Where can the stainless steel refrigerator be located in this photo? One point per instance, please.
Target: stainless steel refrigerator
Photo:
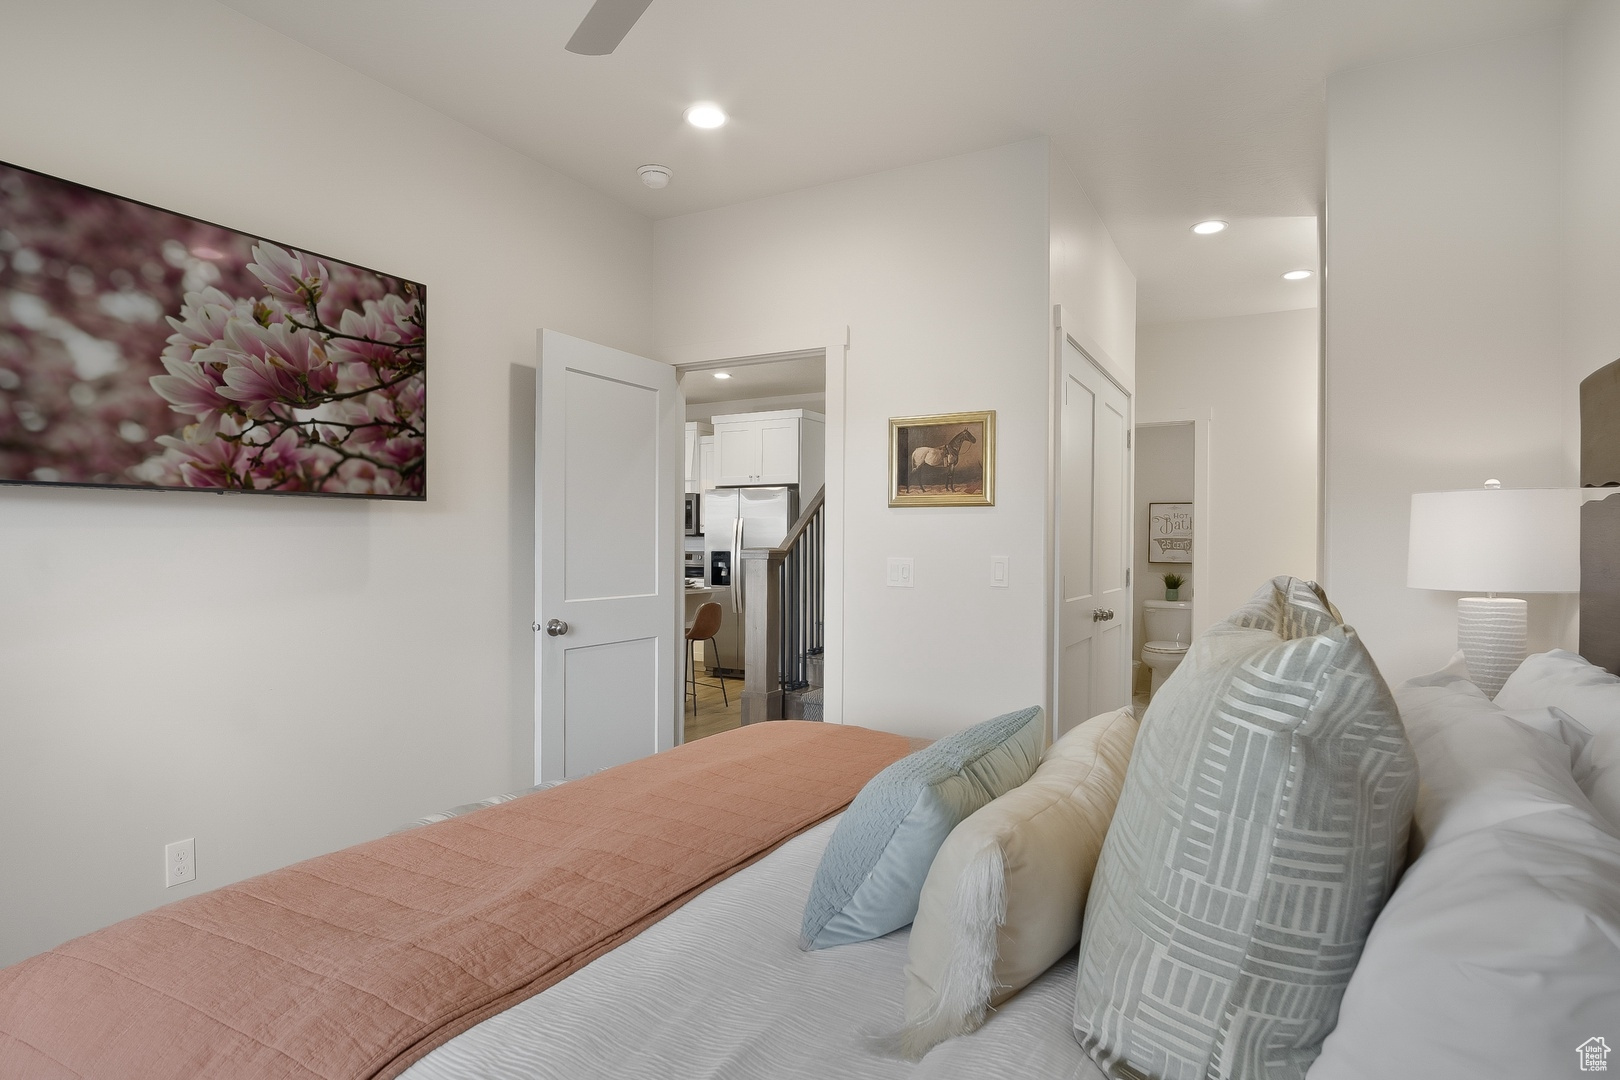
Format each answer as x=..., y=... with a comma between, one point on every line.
x=734, y=519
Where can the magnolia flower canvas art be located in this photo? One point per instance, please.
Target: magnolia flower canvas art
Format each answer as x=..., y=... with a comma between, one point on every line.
x=140, y=347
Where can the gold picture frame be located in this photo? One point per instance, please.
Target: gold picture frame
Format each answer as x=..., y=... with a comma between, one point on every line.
x=944, y=460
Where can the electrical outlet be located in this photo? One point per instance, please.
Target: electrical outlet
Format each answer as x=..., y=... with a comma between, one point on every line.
x=180, y=862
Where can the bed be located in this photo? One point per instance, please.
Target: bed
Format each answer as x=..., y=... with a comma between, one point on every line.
x=714, y=983
x=721, y=989
x=710, y=980
x=646, y=922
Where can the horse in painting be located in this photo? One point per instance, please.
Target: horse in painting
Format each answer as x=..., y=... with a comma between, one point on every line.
x=939, y=457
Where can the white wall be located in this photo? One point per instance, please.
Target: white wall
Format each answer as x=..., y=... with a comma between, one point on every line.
x=1089, y=277
x=1257, y=376
x=1164, y=473
x=941, y=274
x=1445, y=344
x=1591, y=196
x=281, y=677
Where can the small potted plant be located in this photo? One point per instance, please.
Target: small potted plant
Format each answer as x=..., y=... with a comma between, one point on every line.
x=1172, y=586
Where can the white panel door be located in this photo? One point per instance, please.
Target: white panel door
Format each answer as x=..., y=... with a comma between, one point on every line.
x=1094, y=614
x=608, y=526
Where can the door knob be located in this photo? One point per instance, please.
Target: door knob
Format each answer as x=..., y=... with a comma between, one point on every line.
x=556, y=628
x=1098, y=614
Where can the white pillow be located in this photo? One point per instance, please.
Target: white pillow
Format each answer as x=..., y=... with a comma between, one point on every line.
x=1499, y=953
x=1585, y=691
x=1590, y=695
x=1551, y=720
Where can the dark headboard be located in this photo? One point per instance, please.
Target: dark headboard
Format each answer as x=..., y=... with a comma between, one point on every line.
x=1600, y=582
x=1600, y=520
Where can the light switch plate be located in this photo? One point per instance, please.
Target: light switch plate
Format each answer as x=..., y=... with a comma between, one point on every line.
x=998, y=571
x=899, y=573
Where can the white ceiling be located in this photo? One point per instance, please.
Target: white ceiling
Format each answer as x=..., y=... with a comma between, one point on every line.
x=750, y=382
x=1170, y=111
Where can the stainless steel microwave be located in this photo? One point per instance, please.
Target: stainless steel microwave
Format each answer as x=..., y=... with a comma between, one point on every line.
x=694, y=514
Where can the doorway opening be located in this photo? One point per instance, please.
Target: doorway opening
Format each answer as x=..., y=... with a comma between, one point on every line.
x=1162, y=553
x=755, y=463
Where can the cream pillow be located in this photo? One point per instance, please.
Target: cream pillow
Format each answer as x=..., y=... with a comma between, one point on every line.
x=1004, y=897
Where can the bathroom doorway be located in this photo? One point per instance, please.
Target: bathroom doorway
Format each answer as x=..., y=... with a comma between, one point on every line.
x=1171, y=544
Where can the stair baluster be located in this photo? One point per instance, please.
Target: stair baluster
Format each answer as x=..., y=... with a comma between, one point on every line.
x=785, y=631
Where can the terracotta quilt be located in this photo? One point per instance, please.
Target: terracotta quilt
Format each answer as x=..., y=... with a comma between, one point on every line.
x=355, y=964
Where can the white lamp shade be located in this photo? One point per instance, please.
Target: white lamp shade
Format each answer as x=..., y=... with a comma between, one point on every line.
x=1496, y=540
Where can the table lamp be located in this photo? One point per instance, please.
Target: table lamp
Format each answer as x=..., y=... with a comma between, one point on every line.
x=1494, y=540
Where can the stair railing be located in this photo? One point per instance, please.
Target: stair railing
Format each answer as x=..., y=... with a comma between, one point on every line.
x=784, y=591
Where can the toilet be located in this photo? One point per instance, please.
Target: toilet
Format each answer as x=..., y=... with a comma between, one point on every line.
x=1167, y=626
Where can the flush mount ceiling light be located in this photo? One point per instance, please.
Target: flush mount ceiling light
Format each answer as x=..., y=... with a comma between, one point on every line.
x=1298, y=275
x=1209, y=228
x=722, y=374
x=706, y=114
x=654, y=176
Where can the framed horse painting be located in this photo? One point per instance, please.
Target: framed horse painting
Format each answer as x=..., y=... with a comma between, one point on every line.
x=945, y=460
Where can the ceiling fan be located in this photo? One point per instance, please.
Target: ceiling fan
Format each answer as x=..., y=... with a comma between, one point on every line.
x=605, y=26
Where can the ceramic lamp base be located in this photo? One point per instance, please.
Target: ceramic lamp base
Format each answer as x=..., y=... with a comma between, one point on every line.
x=1491, y=632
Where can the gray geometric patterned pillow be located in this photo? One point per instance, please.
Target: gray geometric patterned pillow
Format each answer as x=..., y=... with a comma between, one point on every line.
x=1262, y=825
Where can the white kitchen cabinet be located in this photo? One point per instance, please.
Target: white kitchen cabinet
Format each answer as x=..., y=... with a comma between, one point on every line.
x=695, y=431
x=784, y=447
x=706, y=467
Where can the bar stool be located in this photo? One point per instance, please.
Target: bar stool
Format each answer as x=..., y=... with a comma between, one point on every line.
x=705, y=625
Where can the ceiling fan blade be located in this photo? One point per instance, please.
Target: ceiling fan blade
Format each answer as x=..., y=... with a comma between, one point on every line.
x=605, y=26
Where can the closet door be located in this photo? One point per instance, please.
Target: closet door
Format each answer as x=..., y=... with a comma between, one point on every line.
x=1093, y=524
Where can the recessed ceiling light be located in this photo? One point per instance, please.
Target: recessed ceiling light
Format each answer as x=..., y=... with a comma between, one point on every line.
x=722, y=374
x=706, y=114
x=1298, y=275
x=1209, y=228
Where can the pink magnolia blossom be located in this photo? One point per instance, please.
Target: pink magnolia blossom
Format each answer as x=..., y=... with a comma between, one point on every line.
x=283, y=401
x=289, y=276
x=202, y=321
x=194, y=389
x=287, y=463
x=375, y=335
x=213, y=463
x=268, y=365
x=355, y=477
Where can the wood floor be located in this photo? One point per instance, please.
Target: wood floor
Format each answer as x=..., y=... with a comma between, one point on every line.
x=713, y=714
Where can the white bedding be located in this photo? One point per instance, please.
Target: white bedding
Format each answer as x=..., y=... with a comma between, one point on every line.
x=721, y=989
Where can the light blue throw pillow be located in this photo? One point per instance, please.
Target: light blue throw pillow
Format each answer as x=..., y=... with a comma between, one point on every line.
x=871, y=875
